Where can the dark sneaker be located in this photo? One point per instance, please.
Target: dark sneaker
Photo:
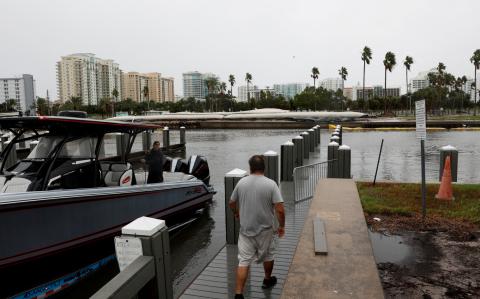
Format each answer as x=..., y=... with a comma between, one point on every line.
x=269, y=283
x=239, y=296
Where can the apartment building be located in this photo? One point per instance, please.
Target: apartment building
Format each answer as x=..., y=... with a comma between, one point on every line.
x=88, y=77
x=289, y=90
x=332, y=84
x=194, y=84
x=22, y=90
x=160, y=89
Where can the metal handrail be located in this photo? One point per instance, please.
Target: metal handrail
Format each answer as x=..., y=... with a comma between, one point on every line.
x=305, y=179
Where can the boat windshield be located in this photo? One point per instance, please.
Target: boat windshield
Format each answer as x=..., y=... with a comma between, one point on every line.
x=78, y=148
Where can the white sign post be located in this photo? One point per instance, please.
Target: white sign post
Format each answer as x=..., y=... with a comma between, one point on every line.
x=421, y=130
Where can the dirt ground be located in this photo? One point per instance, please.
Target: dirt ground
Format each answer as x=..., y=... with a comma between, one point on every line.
x=447, y=258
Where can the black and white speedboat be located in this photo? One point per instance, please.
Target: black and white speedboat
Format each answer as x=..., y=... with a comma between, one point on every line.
x=72, y=191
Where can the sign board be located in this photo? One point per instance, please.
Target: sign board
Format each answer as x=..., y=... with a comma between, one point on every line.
x=127, y=250
x=421, y=123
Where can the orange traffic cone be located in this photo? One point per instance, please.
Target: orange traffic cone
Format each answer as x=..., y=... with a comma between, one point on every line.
x=445, y=192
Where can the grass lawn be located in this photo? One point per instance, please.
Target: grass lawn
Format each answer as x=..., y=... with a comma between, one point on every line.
x=405, y=199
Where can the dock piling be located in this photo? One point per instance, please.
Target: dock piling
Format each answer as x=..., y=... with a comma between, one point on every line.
x=166, y=137
x=313, y=141
x=306, y=145
x=232, y=224
x=287, y=161
x=182, y=135
x=298, y=149
x=271, y=165
x=451, y=151
x=332, y=157
x=344, y=162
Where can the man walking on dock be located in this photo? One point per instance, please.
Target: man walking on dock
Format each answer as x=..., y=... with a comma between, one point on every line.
x=256, y=199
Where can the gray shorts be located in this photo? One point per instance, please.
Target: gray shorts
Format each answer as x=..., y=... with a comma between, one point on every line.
x=260, y=248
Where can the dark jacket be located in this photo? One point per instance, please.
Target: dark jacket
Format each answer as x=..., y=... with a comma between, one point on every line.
x=155, y=162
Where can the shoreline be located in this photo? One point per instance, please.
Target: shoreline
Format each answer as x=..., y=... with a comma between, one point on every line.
x=358, y=125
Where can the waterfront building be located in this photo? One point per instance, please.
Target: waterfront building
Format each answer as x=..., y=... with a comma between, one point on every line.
x=379, y=91
x=22, y=90
x=194, y=84
x=332, y=84
x=160, y=89
x=421, y=80
x=88, y=77
x=289, y=90
x=356, y=92
x=242, y=92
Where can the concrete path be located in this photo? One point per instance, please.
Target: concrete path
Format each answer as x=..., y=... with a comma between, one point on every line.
x=349, y=269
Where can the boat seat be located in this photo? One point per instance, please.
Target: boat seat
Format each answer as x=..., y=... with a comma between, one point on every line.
x=119, y=174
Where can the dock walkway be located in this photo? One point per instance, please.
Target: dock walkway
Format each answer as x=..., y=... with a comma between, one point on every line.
x=349, y=269
x=218, y=279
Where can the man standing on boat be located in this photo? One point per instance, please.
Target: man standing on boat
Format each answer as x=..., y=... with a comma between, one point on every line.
x=256, y=199
x=154, y=159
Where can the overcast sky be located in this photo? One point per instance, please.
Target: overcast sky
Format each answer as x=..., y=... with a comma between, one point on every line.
x=276, y=41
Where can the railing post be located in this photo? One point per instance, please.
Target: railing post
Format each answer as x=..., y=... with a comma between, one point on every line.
x=271, y=165
x=232, y=224
x=311, y=135
x=332, y=158
x=154, y=238
x=298, y=148
x=287, y=157
x=182, y=135
x=306, y=144
x=344, y=161
x=166, y=137
x=451, y=151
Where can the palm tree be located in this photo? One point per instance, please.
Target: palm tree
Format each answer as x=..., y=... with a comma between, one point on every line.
x=343, y=74
x=76, y=101
x=389, y=62
x=408, y=63
x=476, y=63
x=366, y=57
x=441, y=67
x=212, y=85
x=231, y=80
x=223, y=87
x=248, y=79
x=314, y=75
x=115, y=95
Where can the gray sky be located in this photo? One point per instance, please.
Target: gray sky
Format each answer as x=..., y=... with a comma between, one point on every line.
x=276, y=41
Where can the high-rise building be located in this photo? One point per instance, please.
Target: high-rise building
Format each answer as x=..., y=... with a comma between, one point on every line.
x=421, y=81
x=332, y=84
x=379, y=91
x=289, y=90
x=168, y=89
x=22, y=90
x=194, y=84
x=88, y=77
x=242, y=92
x=160, y=89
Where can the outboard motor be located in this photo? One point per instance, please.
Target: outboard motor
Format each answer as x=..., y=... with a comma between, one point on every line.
x=175, y=165
x=198, y=167
x=178, y=165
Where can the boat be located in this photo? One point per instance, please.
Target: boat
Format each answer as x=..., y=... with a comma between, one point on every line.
x=71, y=192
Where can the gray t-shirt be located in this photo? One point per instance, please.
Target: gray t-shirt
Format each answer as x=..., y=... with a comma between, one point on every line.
x=256, y=196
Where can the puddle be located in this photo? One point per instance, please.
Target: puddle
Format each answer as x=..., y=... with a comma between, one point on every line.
x=392, y=249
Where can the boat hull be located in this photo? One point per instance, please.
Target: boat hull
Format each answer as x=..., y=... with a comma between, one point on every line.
x=40, y=223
